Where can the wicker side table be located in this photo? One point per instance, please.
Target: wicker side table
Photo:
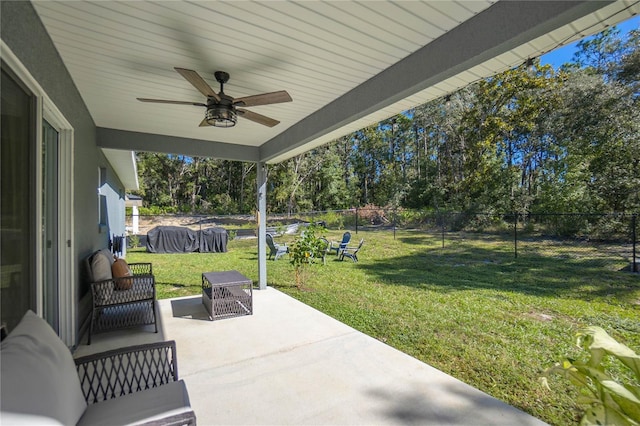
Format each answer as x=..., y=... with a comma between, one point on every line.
x=227, y=294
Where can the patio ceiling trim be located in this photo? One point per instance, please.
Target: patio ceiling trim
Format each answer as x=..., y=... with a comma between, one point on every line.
x=124, y=164
x=497, y=30
x=135, y=141
x=454, y=44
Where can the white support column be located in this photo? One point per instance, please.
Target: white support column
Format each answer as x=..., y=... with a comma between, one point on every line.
x=262, y=225
x=135, y=217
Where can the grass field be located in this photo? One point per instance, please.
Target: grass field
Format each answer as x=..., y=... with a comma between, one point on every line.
x=470, y=309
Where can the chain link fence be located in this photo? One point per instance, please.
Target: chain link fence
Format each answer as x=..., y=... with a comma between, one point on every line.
x=601, y=240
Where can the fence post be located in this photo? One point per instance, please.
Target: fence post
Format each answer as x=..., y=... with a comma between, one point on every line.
x=356, y=221
x=394, y=223
x=634, y=264
x=442, y=227
x=515, y=234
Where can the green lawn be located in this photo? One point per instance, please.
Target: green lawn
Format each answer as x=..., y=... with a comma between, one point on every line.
x=471, y=309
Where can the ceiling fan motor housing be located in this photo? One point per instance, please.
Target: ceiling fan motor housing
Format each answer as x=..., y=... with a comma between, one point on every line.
x=221, y=76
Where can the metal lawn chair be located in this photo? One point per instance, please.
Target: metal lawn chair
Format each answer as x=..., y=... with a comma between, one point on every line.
x=276, y=250
x=325, y=249
x=350, y=252
x=346, y=237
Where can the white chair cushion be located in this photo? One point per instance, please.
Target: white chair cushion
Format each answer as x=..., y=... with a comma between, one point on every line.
x=16, y=419
x=38, y=375
x=150, y=405
x=101, y=266
x=106, y=253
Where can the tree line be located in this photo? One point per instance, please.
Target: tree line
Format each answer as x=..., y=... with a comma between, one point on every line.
x=530, y=139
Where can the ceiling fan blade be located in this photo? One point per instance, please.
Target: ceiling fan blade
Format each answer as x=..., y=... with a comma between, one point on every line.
x=198, y=82
x=204, y=123
x=163, y=101
x=258, y=118
x=263, y=99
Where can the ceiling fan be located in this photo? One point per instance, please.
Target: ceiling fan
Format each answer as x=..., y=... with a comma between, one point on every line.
x=222, y=109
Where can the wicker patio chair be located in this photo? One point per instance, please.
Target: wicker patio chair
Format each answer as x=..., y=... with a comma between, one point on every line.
x=123, y=302
x=119, y=372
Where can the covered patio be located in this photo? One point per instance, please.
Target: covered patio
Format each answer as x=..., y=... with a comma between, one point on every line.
x=85, y=66
x=289, y=364
x=80, y=66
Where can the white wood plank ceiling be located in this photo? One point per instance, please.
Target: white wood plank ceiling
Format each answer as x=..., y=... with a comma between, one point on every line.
x=321, y=52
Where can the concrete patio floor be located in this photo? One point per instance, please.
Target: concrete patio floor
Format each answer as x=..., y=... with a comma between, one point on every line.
x=289, y=364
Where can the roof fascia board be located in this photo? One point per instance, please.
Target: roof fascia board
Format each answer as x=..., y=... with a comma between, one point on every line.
x=124, y=164
x=498, y=29
x=136, y=141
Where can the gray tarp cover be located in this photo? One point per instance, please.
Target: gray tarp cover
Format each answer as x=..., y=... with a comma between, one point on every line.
x=176, y=239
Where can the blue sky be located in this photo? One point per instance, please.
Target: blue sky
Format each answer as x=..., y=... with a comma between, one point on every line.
x=565, y=53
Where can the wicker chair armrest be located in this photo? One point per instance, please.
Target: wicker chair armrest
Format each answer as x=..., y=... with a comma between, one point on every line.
x=141, y=268
x=127, y=370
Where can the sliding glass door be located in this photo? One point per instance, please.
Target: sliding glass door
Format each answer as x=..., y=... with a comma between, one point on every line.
x=17, y=202
x=36, y=201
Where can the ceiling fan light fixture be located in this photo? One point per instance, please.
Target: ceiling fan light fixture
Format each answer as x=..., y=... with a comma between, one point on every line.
x=221, y=116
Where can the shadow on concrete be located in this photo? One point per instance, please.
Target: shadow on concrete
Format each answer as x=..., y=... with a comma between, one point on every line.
x=434, y=405
x=189, y=308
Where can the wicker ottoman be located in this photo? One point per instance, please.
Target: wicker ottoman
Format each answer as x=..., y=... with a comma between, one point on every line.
x=227, y=294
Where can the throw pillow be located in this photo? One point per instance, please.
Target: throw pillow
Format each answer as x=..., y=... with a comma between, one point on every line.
x=108, y=255
x=120, y=271
x=100, y=267
x=38, y=375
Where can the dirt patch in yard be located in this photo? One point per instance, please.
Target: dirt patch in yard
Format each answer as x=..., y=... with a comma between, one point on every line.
x=540, y=316
x=146, y=223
